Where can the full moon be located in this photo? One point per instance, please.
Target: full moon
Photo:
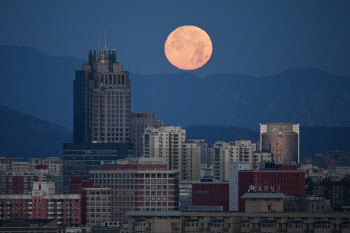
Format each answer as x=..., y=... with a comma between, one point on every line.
x=188, y=47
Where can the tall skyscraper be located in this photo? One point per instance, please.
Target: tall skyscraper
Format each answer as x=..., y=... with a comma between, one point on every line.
x=102, y=100
x=139, y=122
x=102, y=116
x=282, y=140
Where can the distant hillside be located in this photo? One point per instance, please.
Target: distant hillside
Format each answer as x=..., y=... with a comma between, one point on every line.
x=22, y=135
x=37, y=84
x=313, y=140
x=41, y=86
x=309, y=97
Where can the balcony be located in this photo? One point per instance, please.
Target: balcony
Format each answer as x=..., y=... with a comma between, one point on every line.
x=281, y=229
x=255, y=230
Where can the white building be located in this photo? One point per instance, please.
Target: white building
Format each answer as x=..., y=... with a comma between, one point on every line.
x=233, y=183
x=237, y=151
x=169, y=143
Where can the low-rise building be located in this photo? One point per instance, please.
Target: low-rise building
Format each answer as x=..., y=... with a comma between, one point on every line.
x=237, y=222
x=42, y=203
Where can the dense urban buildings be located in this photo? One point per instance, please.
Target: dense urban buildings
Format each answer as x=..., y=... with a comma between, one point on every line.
x=80, y=159
x=165, y=142
x=42, y=203
x=237, y=222
x=139, y=122
x=282, y=140
x=144, y=184
x=17, y=176
x=282, y=179
x=102, y=100
x=237, y=151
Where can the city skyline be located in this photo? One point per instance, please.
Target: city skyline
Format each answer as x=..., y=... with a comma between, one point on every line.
x=104, y=146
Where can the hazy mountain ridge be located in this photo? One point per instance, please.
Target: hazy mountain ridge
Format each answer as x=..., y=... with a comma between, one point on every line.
x=313, y=140
x=41, y=86
x=22, y=135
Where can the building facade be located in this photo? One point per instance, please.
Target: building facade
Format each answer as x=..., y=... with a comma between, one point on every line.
x=204, y=149
x=237, y=222
x=79, y=159
x=138, y=184
x=235, y=167
x=42, y=203
x=139, y=122
x=237, y=151
x=282, y=140
x=165, y=143
x=102, y=100
x=288, y=182
x=211, y=194
x=191, y=166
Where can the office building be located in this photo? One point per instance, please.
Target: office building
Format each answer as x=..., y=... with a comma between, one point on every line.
x=138, y=184
x=102, y=100
x=211, y=194
x=281, y=140
x=288, y=182
x=79, y=159
x=139, y=122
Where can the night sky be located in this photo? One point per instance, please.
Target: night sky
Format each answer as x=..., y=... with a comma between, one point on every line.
x=251, y=37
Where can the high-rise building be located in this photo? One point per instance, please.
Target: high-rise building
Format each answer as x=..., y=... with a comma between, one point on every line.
x=102, y=116
x=143, y=184
x=237, y=151
x=282, y=140
x=139, y=122
x=191, y=167
x=204, y=149
x=102, y=100
x=165, y=142
x=235, y=167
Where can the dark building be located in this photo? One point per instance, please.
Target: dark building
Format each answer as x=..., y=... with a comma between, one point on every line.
x=102, y=100
x=139, y=122
x=336, y=191
x=211, y=194
x=79, y=159
x=281, y=140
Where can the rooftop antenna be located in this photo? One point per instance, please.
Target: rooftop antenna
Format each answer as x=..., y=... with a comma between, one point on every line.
x=98, y=43
x=105, y=40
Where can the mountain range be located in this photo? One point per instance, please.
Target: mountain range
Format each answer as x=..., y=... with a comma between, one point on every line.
x=25, y=136
x=41, y=85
